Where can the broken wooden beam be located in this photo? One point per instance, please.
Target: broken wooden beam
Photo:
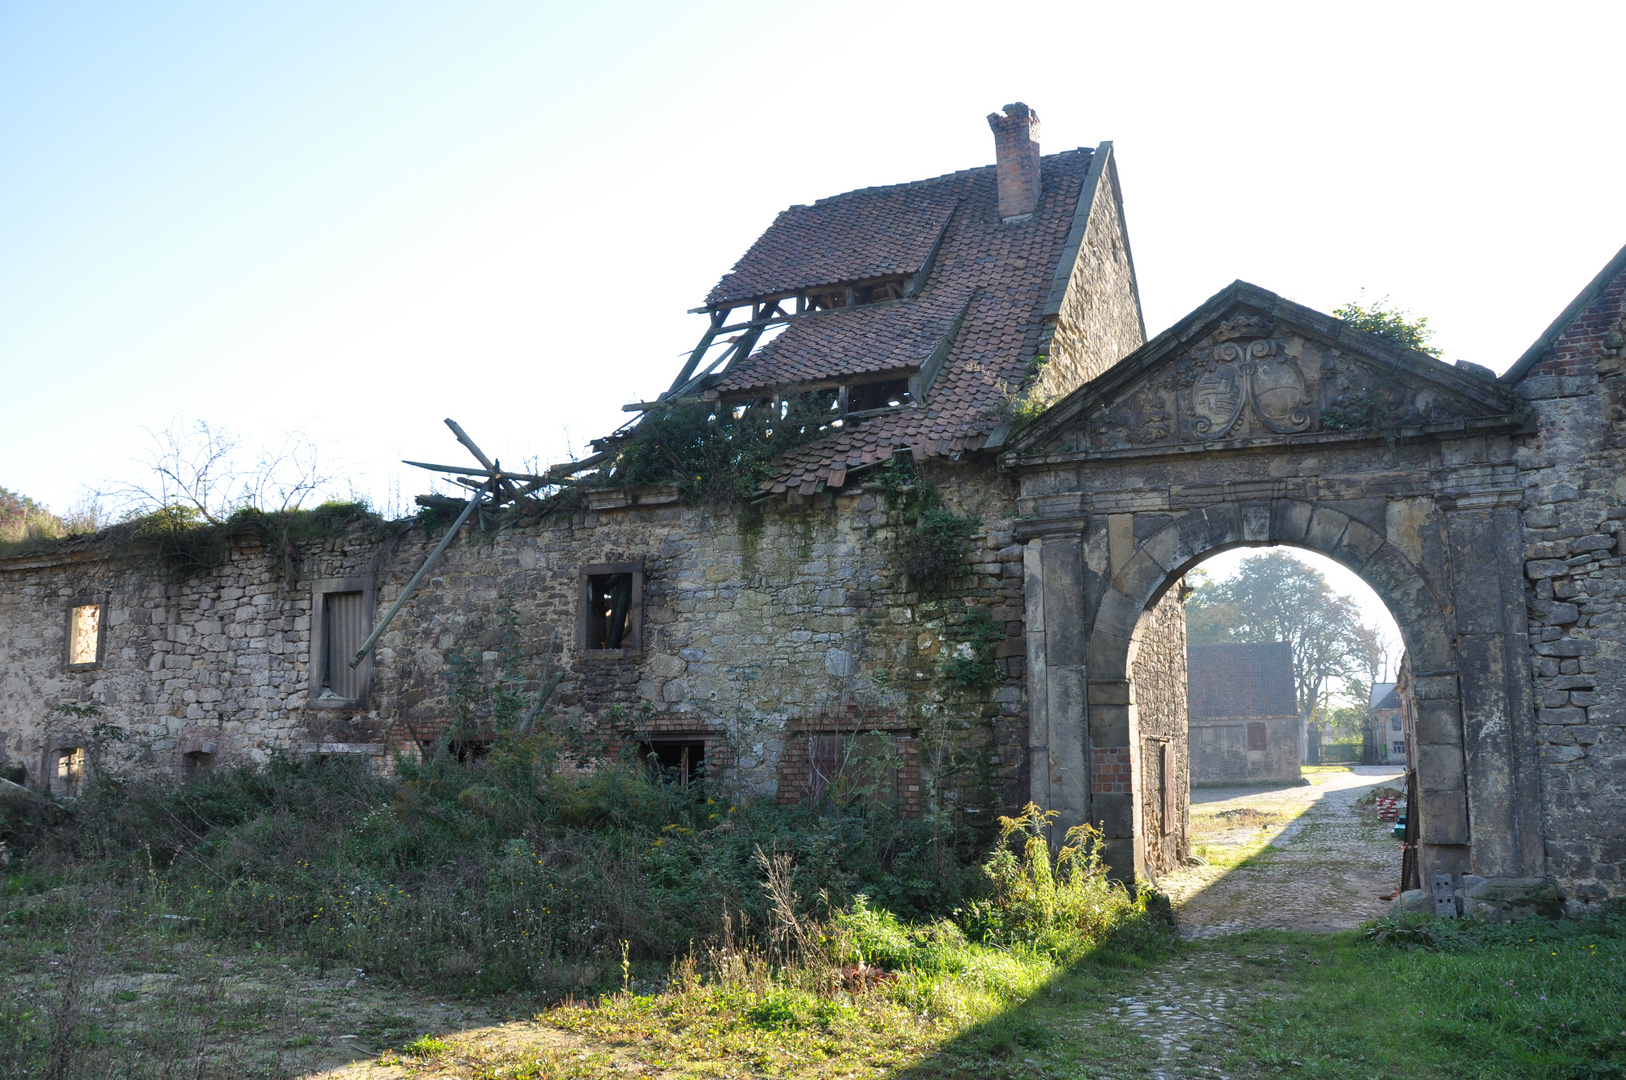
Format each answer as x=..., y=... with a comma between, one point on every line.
x=412, y=585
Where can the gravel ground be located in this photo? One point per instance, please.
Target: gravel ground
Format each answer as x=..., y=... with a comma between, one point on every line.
x=1325, y=866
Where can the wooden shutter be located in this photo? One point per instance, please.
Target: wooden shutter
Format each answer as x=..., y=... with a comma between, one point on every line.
x=344, y=628
x=823, y=763
x=1170, y=802
x=1256, y=736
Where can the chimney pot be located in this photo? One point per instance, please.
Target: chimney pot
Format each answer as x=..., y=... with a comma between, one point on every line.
x=1016, y=157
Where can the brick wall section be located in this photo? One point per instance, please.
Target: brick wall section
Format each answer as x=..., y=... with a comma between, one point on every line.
x=748, y=630
x=1111, y=770
x=1160, y=705
x=1574, y=473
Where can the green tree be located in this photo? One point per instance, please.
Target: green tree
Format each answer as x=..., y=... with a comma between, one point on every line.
x=1383, y=320
x=1275, y=597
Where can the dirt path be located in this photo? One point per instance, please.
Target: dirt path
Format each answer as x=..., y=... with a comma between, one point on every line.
x=1294, y=858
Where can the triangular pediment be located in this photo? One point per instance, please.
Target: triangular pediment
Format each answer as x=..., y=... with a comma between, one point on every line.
x=1250, y=368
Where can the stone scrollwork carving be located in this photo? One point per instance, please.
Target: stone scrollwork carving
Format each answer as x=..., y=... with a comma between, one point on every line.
x=1231, y=389
x=1249, y=379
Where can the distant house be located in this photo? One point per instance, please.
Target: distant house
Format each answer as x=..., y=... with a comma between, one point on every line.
x=1388, y=724
x=1244, y=722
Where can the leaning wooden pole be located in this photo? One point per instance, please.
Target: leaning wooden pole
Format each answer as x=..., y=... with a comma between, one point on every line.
x=411, y=586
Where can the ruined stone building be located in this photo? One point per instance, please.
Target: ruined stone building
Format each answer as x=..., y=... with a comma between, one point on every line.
x=984, y=325
x=1243, y=714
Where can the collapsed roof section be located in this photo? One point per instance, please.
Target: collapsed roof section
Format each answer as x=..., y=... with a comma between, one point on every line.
x=872, y=233
x=921, y=308
x=831, y=347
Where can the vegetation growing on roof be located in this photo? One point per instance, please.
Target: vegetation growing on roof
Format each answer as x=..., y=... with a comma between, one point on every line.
x=1381, y=319
x=714, y=452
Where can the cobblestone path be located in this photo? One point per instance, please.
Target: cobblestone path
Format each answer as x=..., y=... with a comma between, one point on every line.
x=1324, y=868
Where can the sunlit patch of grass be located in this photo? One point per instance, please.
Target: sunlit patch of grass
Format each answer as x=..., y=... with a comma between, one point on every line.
x=427, y=1048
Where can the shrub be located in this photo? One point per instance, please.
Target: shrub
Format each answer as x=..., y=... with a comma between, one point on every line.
x=1053, y=903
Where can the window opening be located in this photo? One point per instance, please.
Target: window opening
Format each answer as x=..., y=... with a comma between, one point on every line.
x=682, y=761
x=609, y=610
x=70, y=771
x=468, y=751
x=878, y=395
x=1256, y=736
x=197, y=762
x=344, y=628
x=85, y=634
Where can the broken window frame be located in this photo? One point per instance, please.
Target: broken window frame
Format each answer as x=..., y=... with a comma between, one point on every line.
x=99, y=602
x=690, y=767
x=632, y=638
x=321, y=647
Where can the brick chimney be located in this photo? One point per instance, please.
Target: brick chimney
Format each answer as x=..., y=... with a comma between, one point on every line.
x=1016, y=153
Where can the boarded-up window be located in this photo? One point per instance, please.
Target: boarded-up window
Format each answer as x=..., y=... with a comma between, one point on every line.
x=853, y=768
x=70, y=771
x=345, y=625
x=1256, y=736
x=1167, y=779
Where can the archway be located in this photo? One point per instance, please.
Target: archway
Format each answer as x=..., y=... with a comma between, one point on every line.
x=1258, y=422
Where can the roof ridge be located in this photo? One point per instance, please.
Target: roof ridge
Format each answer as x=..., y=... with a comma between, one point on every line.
x=874, y=188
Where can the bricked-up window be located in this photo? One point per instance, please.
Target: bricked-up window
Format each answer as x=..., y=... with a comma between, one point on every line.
x=86, y=633
x=611, y=608
x=69, y=773
x=1256, y=736
x=341, y=619
x=848, y=769
x=680, y=761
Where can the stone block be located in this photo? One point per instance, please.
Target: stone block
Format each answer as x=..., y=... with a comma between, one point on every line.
x=1326, y=529
x=1440, y=767
x=1439, y=722
x=1443, y=817
x=1109, y=725
x=1113, y=814
x=1537, y=569
x=1255, y=519
x=1118, y=614
x=1140, y=577
x=1289, y=521
x=1358, y=545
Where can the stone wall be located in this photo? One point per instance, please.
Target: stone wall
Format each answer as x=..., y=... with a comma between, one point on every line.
x=1220, y=753
x=755, y=626
x=1097, y=321
x=1574, y=474
x=1160, y=706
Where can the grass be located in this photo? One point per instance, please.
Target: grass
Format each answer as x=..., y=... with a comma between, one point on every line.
x=1532, y=999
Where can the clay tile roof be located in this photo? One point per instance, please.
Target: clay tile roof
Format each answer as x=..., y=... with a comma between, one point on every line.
x=895, y=336
x=1254, y=679
x=998, y=274
x=874, y=232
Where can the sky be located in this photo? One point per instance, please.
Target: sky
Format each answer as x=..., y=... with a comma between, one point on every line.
x=355, y=219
